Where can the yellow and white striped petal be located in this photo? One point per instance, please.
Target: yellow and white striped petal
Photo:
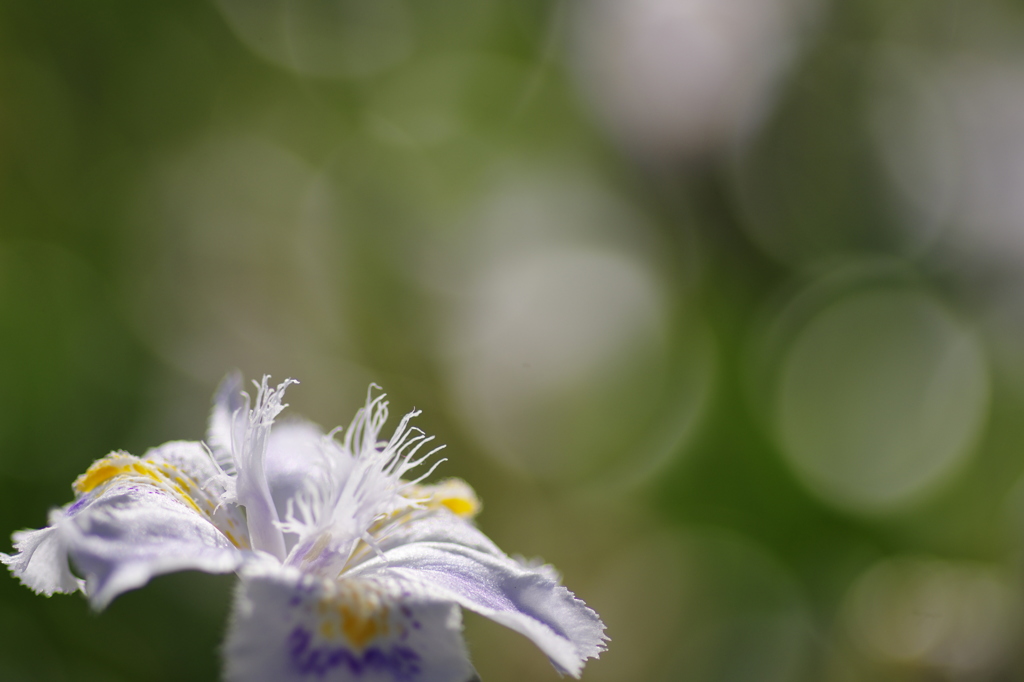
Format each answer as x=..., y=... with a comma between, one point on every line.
x=134, y=518
x=133, y=532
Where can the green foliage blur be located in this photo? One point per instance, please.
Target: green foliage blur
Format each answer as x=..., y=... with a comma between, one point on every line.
x=716, y=303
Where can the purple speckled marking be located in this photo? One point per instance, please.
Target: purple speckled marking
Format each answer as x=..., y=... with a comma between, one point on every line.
x=74, y=509
x=304, y=589
x=401, y=662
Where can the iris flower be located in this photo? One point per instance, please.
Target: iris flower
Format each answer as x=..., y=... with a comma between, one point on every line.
x=348, y=569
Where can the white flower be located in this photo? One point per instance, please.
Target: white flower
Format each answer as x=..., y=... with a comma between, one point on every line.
x=348, y=570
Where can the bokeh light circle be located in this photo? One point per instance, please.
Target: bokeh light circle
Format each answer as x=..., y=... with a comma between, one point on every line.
x=948, y=129
x=569, y=353
x=954, y=617
x=880, y=397
x=326, y=38
x=678, y=77
x=242, y=267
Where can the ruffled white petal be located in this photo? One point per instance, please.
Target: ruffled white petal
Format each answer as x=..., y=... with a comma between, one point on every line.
x=443, y=557
x=288, y=626
x=436, y=525
x=132, y=532
x=192, y=460
x=357, y=492
x=133, y=519
x=298, y=453
x=251, y=488
x=227, y=421
x=198, y=483
x=42, y=559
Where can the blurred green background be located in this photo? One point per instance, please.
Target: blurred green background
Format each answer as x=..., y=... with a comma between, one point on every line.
x=719, y=304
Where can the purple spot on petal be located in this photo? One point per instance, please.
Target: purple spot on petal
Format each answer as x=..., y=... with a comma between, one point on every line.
x=400, y=662
x=298, y=641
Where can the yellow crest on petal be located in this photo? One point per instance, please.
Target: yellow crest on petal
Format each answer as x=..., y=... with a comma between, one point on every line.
x=454, y=494
x=159, y=474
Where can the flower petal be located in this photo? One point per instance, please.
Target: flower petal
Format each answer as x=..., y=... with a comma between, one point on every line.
x=42, y=560
x=436, y=525
x=296, y=453
x=447, y=558
x=196, y=482
x=251, y=488
x=360, y=487
x=132, y=532
x=227, y=421
x=289, y=626
x=133, y=519
x=454, y=494
x=241, y=441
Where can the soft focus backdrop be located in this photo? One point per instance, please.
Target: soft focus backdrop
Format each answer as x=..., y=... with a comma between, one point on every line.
x=719, y=304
